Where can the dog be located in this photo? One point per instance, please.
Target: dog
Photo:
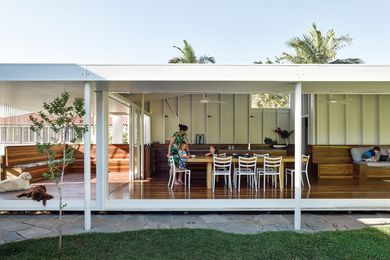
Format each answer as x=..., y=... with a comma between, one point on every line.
x=22, y=182
x=37, y=193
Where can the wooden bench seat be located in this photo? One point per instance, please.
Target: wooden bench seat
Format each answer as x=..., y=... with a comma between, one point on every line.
x=23, y=158
x=18, y=159
x=364, y=172
x=335, y=162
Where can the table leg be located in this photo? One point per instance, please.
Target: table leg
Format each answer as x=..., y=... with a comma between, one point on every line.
x=282, y=176
x=209, y=168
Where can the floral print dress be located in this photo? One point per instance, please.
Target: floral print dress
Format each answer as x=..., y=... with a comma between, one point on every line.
x=179, y=138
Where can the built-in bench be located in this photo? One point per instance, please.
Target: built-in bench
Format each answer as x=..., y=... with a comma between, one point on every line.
x=18, y=159
x=26, y=158
x=335, y=162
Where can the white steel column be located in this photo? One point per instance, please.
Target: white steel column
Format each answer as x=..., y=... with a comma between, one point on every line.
x=142, y=134
x=131, y=143
x=138, y=118
x=87, y=157
x=298, y=153
x=101, y=148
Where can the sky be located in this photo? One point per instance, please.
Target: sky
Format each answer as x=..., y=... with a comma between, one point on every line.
x=144, y=31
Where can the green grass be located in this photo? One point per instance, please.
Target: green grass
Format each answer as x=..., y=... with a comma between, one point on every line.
x=373, y=243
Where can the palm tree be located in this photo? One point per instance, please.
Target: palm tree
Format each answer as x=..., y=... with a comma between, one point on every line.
x=188, y=56
x=317, y=48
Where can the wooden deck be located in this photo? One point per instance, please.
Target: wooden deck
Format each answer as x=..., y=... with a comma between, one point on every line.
x=120, y=188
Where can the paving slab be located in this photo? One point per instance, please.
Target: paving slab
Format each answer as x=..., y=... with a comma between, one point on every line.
x=11, y=236
x=16, y=226
x=33, y=232
x=214, y=218
x=273, y=219
x=19, y=227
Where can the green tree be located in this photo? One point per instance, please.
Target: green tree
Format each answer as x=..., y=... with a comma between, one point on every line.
x=317, y=48
x=277, y=60
x=188, y=56
x=270, y=100
x=65, y=120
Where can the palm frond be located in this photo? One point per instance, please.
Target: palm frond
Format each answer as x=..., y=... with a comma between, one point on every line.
x=348, y=61
x=188, y=55
x=175, y=60
x=206, y=59
x=318, y=48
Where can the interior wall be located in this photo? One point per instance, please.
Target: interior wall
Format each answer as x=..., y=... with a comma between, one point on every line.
x=232, y=122
x=362, y=119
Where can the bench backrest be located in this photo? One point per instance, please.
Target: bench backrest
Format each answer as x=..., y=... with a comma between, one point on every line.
x=18, y=155
x=115, y=151
x=331, y=154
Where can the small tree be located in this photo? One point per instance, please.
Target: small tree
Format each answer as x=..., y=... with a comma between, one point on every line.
x=65, y=120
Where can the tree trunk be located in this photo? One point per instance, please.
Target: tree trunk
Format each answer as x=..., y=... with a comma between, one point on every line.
x=60, y=219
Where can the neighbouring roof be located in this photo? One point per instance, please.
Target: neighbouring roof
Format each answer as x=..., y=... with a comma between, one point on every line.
x=24, y=120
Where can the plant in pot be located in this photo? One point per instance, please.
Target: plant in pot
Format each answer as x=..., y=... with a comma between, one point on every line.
x=285, y=134
x=269, y=141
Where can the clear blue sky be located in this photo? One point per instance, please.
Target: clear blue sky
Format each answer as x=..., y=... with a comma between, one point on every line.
x=143, y=31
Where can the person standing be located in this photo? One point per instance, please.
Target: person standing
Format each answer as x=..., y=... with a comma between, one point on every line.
x=175, y=141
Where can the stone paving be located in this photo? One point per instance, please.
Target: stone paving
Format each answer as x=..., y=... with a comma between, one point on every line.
x=20, y=227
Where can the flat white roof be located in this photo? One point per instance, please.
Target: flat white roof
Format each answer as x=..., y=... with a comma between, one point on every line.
x=28, y=85
x=17, y=80
x=196, y=72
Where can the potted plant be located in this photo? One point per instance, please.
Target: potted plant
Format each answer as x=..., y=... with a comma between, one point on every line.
x=269, y=141
x=285, y=134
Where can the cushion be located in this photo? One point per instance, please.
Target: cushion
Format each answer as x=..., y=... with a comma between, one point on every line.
x=384, y=149
x=378, y=164
x=357, y=152
x=359, y=162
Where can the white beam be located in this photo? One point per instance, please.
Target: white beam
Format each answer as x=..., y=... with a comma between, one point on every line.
x=298, y=154
x=87, y=157
x=101, y=148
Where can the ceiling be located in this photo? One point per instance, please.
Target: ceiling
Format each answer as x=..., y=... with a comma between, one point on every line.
x=30, y=95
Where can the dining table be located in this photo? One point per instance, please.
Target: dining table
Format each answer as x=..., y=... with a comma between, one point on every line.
x=209, y=165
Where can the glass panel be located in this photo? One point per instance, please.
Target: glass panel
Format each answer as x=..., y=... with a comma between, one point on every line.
x=270, y=101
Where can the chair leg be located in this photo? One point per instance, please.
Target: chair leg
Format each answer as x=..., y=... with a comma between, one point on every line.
x=292, y=179
x=174, y=178
x=230, y=183
x=285, y=180
x=189, y=179
x=213, y=183
x=170, y=177
x=264, y=176
x=239, y=182
x=185, y=179
x=280, y=182
x=307, y=179
x=255, y=182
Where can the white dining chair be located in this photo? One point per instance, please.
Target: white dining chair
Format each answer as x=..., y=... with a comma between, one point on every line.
x=220, y=155
x=304, y=170
x=246, y=167
x=172, y=173
x=272, y=168
x=222, y=167
x=261, y=155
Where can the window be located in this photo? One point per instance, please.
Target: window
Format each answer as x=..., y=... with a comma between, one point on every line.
x=270, y=101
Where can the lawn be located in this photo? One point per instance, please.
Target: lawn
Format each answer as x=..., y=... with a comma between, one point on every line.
x=373, y=243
